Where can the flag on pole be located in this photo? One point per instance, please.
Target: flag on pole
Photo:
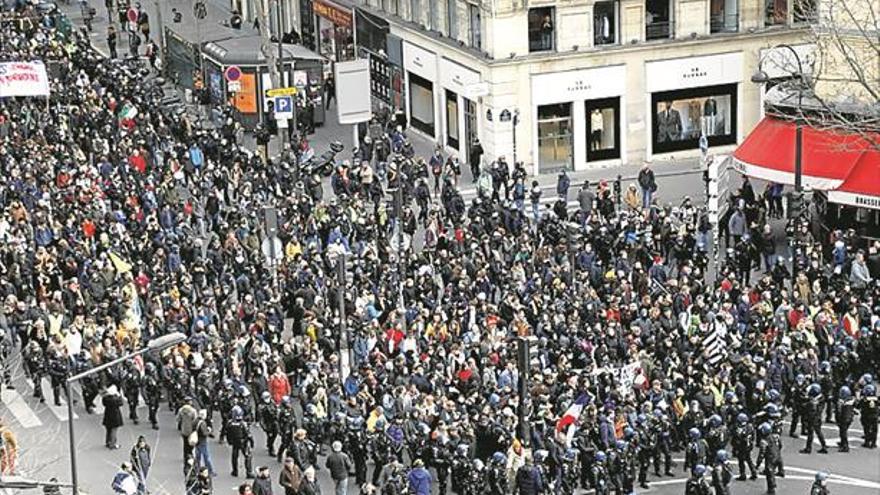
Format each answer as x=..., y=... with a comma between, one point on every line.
x=572, y=413
x=120, y=264
x=714, y=343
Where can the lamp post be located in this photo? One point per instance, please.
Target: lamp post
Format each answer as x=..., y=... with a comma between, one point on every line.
x=795, y=204
x=156, y=344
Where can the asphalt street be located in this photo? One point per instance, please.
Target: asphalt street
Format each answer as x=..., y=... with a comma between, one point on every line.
x=43, y=439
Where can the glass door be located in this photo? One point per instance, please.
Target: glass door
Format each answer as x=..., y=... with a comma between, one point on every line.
x=470, y=125
x=554, y=137
x=451, y=119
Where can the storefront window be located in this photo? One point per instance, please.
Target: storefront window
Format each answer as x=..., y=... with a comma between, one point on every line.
x=451, y=119
x=554, y=137
x=681, y=117
x=421, y=102
x=605, y=23
x=603, y=129
x=335, y=36
x=542, y=29
x=658, y=20
x=724, y=16
x=776, y=12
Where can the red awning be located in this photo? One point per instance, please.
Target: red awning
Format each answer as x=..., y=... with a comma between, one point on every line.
x=828, y=160
x=862, y=187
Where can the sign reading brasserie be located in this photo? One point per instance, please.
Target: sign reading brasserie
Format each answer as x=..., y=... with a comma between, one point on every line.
x=332, y=13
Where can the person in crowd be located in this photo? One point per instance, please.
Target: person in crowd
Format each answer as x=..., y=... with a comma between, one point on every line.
x=113, y=403
x=141, y=458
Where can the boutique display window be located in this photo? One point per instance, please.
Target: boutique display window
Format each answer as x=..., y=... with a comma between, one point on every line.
x=542, y=29
x=658, y=19
x=421, y=102
x=680, y=117
x=603, y=129
x=554, y=137
x=451, y=119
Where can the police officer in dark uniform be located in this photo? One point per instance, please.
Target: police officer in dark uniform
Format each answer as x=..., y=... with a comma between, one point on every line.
x=647, y=446
x=844, y=412
x=90, y=385
x=697, y=484
x=59, y=369
x=797, y=402
x=460, y=467
x=152, y=393
x=743, y=442
x=356, y=441
x=286, y=422
x=697, y=450
x=239, y=436
x=717, y=436
x=599, y=473
x=721, y=474
x=820, y=485
x=35, y=360
x=439, y=460
x=496, y=478
x=770, y=453
x=812, y=418
x=868, y=408
x=570, y=472
x=131, y=388
x=663, y=433
x=267, y=415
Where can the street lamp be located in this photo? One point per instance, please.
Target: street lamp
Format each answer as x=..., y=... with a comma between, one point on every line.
x=796, y=202
x=156, y=344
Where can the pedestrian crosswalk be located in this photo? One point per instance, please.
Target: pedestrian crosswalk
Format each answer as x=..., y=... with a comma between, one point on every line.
x=20, y=409
x=27, y=411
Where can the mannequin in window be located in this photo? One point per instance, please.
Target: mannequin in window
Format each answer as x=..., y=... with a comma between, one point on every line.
x=547, y=33
x=597, y=125
x=603, y=29
x=668, y=124
x=710, y=110
x=694, y=119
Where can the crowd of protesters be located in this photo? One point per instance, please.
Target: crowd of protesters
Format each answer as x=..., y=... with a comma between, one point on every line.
x=122, y=222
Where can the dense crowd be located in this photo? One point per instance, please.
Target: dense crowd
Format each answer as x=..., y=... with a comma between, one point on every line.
x=123, y=222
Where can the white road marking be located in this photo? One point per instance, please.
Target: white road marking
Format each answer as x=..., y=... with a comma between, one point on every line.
x=60, y=412
x=20, y=409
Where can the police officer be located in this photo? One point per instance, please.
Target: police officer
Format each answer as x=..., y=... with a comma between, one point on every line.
x=286, y=421
x=356, y=441
x=131, y=388
x=717, y=436
x=647, y=446
x=663, y=433
x=844, y=412
x=625, y=467
x=90, y=384
x=721, y=474
x=152, y=393
x=697, y=450
x=439, y=460
x=570, y=472
x=797, y=400
x=743, y=442
x=697, y=484
x=59, y=368
x=599, y=474
x=461, y=466
x=812, y=418
x=239, y=435
x=820, y=485
x=267, y=415
x=770, y=453
x=496, y=478
x=868, y=408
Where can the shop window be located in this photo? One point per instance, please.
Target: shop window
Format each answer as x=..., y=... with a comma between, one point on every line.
x=804, y=11
x=475, y=38
x=415, y=11
x=724, y=16
x=658, y=20
x=452, y=119
x=776, y=12
x=681, y=117
x=542, y=29
x=605, y=23
x=554, y=137
x=421, y=103
x=603, y=129
x=452, y=18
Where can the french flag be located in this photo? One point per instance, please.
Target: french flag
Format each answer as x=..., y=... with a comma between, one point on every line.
x=572, y=413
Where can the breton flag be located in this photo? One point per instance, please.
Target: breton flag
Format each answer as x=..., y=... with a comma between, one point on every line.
x=572, y=413
x=714, y=342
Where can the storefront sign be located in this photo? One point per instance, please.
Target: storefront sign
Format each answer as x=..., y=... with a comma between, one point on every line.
x=337, y=15
x=694, y=72
x=457, y=77
x=853, y=199
x=419, y=61
x=576, y=85
x=23, y=79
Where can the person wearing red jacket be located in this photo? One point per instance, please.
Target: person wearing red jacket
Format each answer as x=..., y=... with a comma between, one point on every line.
x=279, y=385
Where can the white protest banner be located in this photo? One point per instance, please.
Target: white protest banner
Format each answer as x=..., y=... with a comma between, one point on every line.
x=23, y=79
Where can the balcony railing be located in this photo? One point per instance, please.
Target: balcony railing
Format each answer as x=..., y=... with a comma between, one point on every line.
x=724, y=23
x=659, y=30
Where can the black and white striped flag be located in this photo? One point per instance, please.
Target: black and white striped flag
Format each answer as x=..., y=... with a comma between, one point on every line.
x=715, y=342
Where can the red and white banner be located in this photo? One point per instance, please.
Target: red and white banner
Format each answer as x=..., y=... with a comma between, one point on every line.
x=23, y=79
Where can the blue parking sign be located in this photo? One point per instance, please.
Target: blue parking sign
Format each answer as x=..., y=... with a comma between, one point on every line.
x=283, y=107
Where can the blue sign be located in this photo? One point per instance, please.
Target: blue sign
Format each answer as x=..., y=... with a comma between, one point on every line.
x=283, y=107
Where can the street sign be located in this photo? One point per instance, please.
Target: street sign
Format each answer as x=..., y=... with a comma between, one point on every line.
x=272, y=249
x=273, y=93
x=132, y=15
x=200, y=10
x=719, y=186
x=283, y=107
x=233, y=86
x=232, y=73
